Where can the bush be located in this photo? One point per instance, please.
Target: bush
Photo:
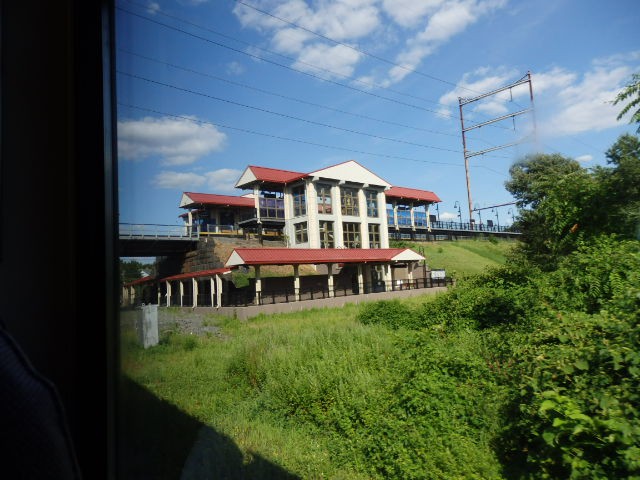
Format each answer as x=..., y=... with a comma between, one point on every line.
x=390, y=313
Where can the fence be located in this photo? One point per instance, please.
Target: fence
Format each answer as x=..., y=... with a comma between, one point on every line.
x=146, y=230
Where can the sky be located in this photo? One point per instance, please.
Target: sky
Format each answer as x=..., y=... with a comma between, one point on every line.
x=206, y=88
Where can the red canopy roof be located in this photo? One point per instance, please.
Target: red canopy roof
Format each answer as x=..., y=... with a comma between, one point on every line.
x=139, y=281
x=274, y=175
x=201, y=273
x=311, y=256
x=404, y=193
x=214, y=199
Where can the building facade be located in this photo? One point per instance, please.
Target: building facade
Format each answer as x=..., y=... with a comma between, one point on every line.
x=341, y=206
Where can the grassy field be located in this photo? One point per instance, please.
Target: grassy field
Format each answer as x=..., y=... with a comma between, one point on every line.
x=307, y=395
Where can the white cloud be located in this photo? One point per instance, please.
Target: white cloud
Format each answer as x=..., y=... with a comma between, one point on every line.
x=153, y=8
x=409, y=13
x=178, y=141
x=235, y=68
x=448, y=216
x=222, y=180
x=178, y=180
x=216, y=181
x=584, y=158
x=450, y=18
x=338, y=59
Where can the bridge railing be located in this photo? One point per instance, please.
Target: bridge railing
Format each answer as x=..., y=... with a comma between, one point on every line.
x=146, y=230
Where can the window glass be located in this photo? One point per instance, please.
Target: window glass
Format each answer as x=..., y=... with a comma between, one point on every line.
x=301, y=232
x=349, y=201
x=326, y=235
x=299, y=201
x=374, y=235
x=324, y=198
x=351, y=235
x=372, y=203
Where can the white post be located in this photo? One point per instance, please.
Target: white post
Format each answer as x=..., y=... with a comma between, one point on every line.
x=360, y=280
x=385, y=277
x=256, y=196
x=212, y=290
x=395, y=214
x=413, y=217
x=332, y=292
x=181, y=293
x=426, y=209
x=258, y=284
x=168, y=294
x=410, y=273
x=194, y=290
x=218, y=291
x=296, y=282
x=132, y=294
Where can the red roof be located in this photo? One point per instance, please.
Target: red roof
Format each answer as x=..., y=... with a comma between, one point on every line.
x=214, y=199
x=310, y=256
x=273, y=175
x=201, y=273
x=412, y=194
x=139, y=281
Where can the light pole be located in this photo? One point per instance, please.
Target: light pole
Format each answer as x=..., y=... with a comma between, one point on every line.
x=457, y=205
x=497, y=219
x=510, y=212
x=479, y=214
x=437, y=212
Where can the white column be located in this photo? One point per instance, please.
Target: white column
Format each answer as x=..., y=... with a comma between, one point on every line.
x=168, y=294
x=413, y=217
x=256, y=197
x=132, y=294
x=393, y=277
x=194, y=290
x=410, y=273
x=212, y=290
x=258, y=284
x=313, y=229
x=332, y=292
x=218, y=291
x=181, y=293
x=426, y=209
x=159, y=294
x=296, y=282
x=362, y=210
x=360, y=280
x=384, y=221
x=395, y=214
x=385, y=277
x=337, y=212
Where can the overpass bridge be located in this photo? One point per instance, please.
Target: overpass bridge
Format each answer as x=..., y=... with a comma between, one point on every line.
x=148, y=240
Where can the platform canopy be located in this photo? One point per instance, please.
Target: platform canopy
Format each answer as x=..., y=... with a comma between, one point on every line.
x=317, y=256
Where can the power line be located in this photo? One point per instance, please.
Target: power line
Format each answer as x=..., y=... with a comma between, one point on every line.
x=279, y=137
x=271, y=52
x=267, y=92
x=292, y=117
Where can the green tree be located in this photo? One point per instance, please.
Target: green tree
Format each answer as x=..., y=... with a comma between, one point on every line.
x=631, y=93
x=132, y=270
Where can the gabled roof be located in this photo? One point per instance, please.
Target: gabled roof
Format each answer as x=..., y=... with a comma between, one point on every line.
x=140, y=281
x=254, y=174
x=351, y=171
x=201, y=273
x=314, y=256
x=414, y=194
x=192, y=199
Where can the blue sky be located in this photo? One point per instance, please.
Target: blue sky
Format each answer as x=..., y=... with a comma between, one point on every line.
x=206, y=88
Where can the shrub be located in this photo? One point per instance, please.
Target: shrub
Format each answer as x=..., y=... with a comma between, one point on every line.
x=391, y=313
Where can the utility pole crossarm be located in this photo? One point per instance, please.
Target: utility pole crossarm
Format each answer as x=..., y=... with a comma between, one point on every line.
x=499, y=119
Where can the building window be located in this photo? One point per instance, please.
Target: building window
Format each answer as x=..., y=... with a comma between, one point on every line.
x=374, y=235
x=372, y=203
x=271, y=205
x=351, y=235
x=299, y=201
x=349, y=201
x=324, y=198
x=326, y=235
x=301, y=232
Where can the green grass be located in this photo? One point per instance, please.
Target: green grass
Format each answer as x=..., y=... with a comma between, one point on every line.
x=463, y=257
x=297, y=391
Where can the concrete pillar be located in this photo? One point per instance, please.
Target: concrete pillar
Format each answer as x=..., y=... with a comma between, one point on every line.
x=395, y=214
x=132, y=294
x=364, y=226
x=330, y=285
x=212, y=290
x=181, y=285
x=218, y=291
x=385, y=277
x=312, y=216
x=412, y=213
x=159, y=293
x=360, y=280
x=426, y=209
x=296, y=282
x=384, y=221
x=336, y=204
x=393, y=278
x=256, y=197
x=194, y=290
x=168, y=294
x=147, y=327
x=410, y=273
x=258, y=284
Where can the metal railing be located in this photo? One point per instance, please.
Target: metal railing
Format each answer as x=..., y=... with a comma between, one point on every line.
x=146, y=230
x=246, y=296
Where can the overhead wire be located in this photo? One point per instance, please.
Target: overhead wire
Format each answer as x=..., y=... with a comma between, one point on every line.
x=284, y=115
x=279, y=95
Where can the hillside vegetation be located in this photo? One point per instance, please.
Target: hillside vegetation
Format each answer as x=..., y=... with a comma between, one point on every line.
x=529, y=370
